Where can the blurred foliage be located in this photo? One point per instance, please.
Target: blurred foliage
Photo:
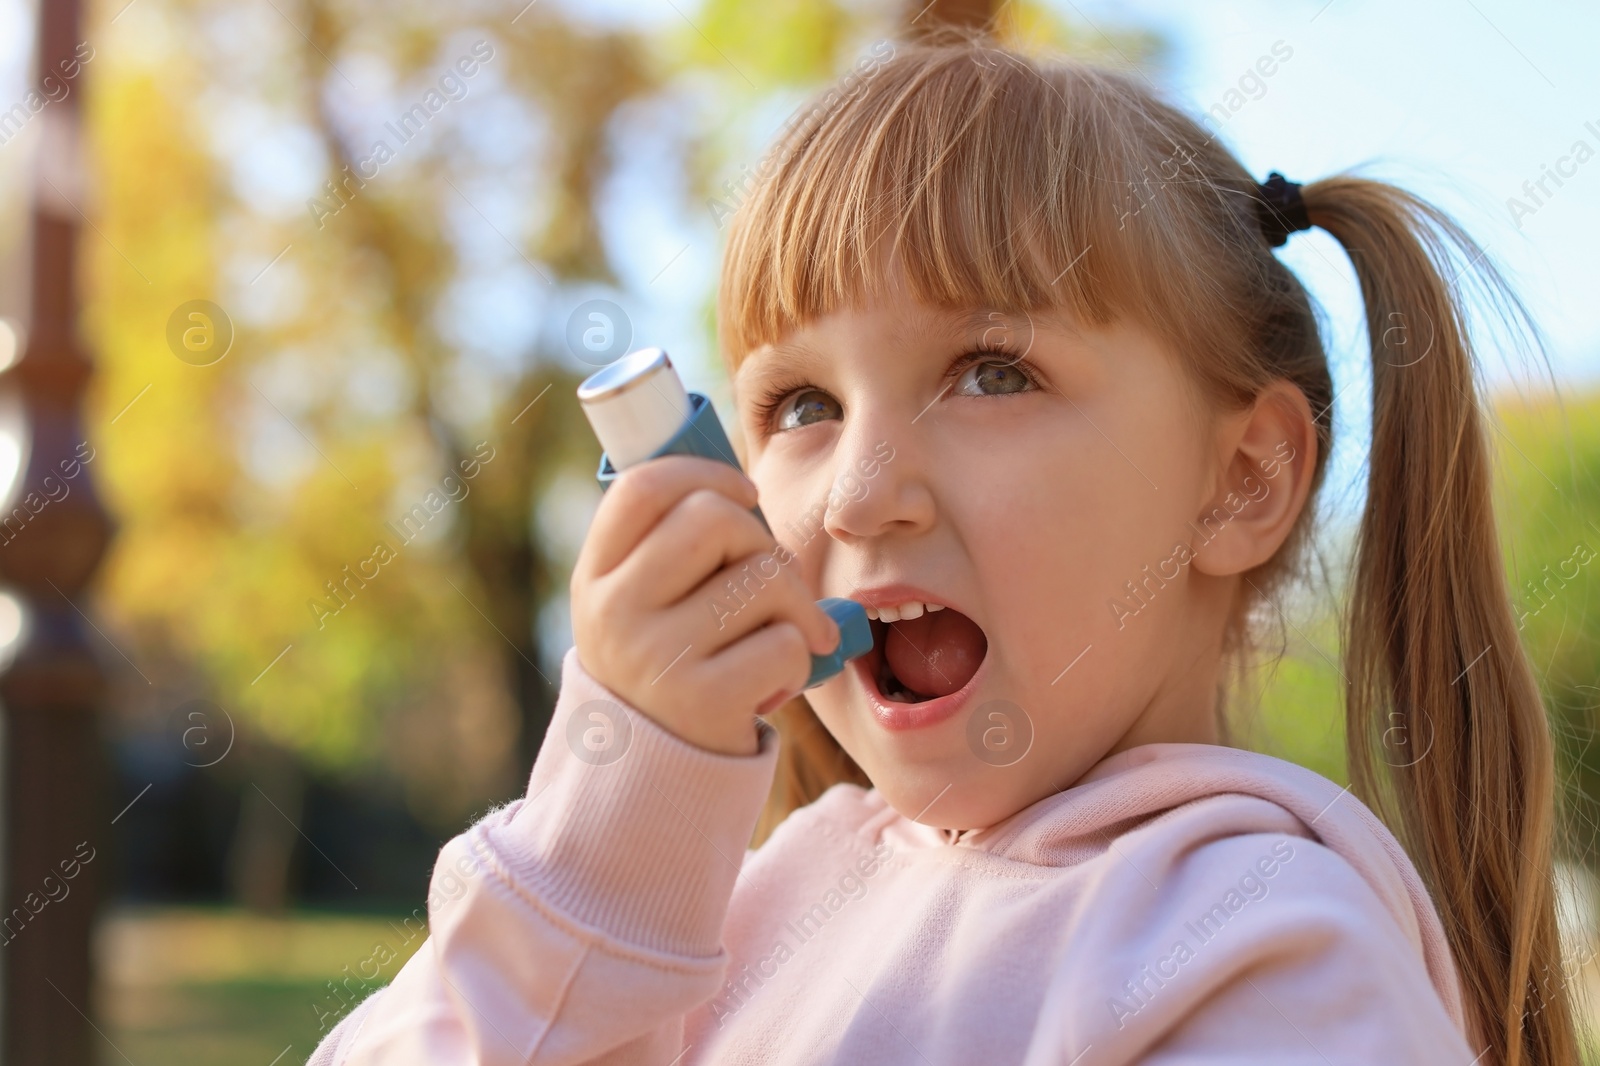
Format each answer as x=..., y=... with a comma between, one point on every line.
x=365, y=370
x=786, y=43
x=1548, y=509
x=802, y=43
x=1300, y=713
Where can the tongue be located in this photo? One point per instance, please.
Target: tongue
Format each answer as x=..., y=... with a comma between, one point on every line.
x=936, y=653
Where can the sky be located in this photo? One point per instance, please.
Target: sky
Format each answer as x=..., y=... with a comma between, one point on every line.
x=1462, y=101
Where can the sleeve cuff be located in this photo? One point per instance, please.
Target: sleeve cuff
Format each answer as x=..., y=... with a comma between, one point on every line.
x=628, y=828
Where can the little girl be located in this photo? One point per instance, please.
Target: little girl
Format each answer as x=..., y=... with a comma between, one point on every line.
x=1016, y=368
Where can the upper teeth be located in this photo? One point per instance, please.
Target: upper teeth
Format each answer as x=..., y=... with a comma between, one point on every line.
x=913, y=609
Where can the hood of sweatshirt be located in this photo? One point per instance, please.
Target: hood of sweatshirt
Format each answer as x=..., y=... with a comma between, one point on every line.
x=1141, y=792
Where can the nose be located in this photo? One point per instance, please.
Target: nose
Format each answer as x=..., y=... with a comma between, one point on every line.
x=879, y=486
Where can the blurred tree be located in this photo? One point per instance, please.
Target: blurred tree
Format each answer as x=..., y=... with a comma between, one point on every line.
x=333, y=520
x=575, y=80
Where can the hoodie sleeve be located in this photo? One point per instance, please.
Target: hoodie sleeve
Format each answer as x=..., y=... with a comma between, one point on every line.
x=1261, y=948
x=580, y=923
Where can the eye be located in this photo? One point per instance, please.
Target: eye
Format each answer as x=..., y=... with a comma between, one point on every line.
x=981, y=372
x=801, y=409
x=986, y=375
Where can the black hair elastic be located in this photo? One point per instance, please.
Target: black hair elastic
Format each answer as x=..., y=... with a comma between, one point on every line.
x=1280, y=209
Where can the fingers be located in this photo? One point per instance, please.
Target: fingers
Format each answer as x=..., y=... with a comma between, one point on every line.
x=703, y=533
x=744, y=596
x=744, y=673
x=642, y=495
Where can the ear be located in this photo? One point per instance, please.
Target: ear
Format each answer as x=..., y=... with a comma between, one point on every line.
x=1267, y=454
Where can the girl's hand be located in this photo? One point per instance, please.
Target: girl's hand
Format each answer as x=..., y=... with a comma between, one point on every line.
x=669, y=535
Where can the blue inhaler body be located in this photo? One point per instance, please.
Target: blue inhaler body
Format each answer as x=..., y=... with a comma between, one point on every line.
x=639, y=410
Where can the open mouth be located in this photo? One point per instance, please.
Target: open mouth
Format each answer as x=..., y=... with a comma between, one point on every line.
x=918, y=659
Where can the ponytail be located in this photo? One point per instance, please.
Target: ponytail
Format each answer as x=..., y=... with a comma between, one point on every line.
x=1446, y=730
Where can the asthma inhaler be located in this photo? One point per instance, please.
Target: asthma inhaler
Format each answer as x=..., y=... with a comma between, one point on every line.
x=639, y=410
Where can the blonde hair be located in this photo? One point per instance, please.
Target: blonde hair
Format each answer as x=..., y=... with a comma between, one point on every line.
x=995, y=181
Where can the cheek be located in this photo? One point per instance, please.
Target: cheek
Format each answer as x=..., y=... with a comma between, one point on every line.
x=1075, y=518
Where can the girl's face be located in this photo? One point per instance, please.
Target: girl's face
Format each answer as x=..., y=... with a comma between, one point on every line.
x=1022, y=472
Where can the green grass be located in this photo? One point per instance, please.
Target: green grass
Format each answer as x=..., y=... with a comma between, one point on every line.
x=183, y=986
x=249, y=1023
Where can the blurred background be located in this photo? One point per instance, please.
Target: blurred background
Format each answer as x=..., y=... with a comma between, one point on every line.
x=271, y=270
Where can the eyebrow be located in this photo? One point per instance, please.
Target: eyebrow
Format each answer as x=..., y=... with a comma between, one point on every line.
x=987, y=318
x=971, y=320
x=772, y=360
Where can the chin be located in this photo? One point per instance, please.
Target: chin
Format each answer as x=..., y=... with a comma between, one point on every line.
x=978, y=798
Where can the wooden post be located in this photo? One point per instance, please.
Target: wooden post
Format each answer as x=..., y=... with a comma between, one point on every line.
x=52, y=535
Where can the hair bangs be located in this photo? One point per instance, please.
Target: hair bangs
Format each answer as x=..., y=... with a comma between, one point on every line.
x=974, y=178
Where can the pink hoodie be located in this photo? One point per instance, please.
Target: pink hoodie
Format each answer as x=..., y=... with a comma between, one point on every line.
x=1181, y=904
